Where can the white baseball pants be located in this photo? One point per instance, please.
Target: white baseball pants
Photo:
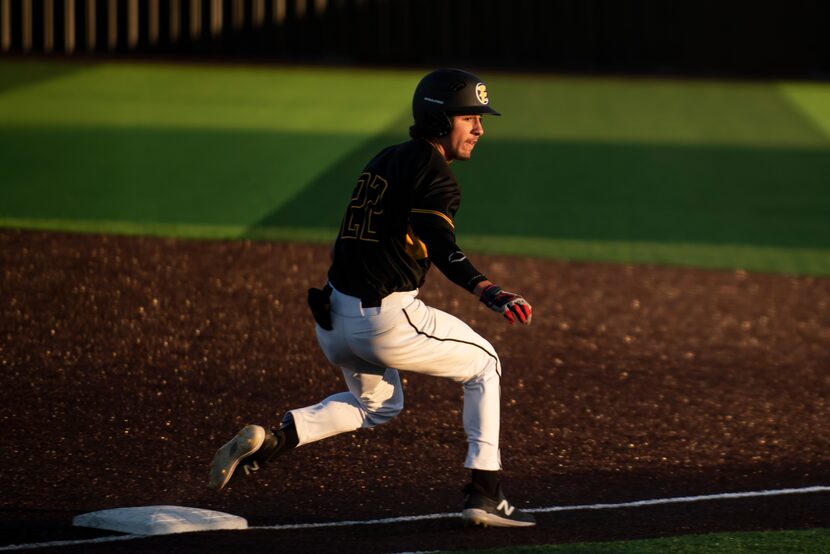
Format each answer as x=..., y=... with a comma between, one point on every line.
x=371, y=344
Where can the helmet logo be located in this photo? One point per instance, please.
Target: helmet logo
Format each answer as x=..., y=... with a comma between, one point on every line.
x=481, y=93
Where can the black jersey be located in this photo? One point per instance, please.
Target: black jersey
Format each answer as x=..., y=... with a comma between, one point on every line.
x=400, y=217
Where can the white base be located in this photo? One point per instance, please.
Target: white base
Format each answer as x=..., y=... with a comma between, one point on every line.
x=159, y=520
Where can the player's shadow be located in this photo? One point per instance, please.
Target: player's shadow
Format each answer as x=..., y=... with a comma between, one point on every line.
x=320, y=204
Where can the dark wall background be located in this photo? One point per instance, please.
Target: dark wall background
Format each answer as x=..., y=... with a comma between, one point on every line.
x=703, y=37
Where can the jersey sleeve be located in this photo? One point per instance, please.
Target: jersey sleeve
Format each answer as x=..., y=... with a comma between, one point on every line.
x=448, y=257
x=435, y=201
x=432, y=219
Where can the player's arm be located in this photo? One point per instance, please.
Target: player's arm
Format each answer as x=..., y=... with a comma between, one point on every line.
x=432, y=220
x=451, y=260
x=445, y=254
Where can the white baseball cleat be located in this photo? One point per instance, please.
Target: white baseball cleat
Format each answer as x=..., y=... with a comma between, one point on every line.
x=481, y=509
x=223, y=469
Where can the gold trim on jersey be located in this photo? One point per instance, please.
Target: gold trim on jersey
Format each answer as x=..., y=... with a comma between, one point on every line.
x=415, y=247
x=433, y=212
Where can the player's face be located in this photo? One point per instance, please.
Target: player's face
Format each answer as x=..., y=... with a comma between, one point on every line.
x=466, y=130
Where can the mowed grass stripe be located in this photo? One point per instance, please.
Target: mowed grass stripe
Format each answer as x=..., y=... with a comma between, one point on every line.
x=339, y=100
x=794, y=261
x=655, y=110
x=180, y=96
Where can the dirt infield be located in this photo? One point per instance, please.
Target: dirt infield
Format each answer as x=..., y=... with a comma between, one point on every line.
x=126, y=361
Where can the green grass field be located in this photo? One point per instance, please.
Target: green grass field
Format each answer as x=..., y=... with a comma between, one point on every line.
x=781, y=542
x=704, y=173
x=700, y=173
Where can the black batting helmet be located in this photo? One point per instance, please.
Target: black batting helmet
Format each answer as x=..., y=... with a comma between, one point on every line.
x=443, y=93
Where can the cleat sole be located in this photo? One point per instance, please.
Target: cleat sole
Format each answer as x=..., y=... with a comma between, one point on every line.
x=474, y=517
x=227, y=458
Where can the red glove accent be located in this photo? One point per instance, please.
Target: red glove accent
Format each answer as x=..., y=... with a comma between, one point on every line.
x=510, y=304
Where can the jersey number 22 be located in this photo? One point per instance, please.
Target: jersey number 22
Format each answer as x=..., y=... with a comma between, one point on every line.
x=365, y=205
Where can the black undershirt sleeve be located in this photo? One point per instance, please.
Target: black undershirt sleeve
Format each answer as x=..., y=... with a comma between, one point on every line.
x=448, y=257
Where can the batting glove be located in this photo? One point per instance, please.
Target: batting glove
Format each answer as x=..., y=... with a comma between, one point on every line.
x=510, y=304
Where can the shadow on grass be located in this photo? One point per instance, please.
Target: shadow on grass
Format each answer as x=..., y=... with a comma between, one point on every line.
x=660, y=193
x=18, y=73
x=321, y=202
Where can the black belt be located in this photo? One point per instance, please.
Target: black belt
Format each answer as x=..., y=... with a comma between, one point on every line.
x=371, y=302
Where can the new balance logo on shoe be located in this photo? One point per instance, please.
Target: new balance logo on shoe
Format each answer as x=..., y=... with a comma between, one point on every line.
x=485, y=510
x=505, y=507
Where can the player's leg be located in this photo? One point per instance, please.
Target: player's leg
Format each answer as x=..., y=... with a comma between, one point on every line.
x=424, y=340
x=457, y=352
x=430, y=341
x=372, y=399
x=252, y=448
x=374, y=393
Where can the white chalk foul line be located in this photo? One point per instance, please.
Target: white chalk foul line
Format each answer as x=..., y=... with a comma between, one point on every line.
x=408, y=519
x=681, y=500
x=634, y=504
x=33, y=545
x=384, y=521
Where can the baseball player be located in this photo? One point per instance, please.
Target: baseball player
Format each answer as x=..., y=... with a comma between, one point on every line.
x=370, y=322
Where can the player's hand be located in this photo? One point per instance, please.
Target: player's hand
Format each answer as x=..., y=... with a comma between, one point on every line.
x=511, y=305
